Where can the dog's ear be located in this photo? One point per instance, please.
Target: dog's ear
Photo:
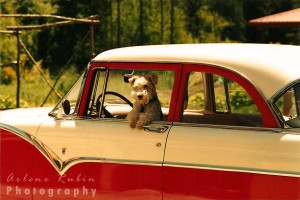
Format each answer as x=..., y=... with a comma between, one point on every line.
x=132, y=79
x=153, y=79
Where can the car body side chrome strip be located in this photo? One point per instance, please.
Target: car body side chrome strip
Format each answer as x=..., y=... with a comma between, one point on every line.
x=232, y=169
x=62, y=166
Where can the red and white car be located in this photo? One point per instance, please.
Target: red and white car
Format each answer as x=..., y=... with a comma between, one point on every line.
x=231, y=129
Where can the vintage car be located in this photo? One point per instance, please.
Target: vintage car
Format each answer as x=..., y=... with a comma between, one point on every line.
x=230, y=129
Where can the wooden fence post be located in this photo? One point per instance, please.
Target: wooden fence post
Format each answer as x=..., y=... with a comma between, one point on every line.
x=18, y=71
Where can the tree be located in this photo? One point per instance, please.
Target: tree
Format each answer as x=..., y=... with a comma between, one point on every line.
x=203, y=23
x=8, y=43
x=194, y=23
x=231, y=11
x=138, y=22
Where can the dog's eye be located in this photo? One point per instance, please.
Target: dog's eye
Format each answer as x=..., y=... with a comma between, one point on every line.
x=145, y=86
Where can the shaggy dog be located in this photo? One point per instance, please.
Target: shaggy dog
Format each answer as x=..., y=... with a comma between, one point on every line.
x=146, y=107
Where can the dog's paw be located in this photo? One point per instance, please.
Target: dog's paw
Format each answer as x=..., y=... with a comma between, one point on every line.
x=139, y=125
x=132, y=125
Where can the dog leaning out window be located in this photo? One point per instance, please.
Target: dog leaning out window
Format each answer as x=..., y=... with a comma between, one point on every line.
x=143, y=99
x=147, y=107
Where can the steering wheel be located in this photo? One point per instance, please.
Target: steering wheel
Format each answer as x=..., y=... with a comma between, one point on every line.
x=104, y=110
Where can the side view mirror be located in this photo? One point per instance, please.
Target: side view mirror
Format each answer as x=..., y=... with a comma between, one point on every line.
x=66, y=106
x=127, y=77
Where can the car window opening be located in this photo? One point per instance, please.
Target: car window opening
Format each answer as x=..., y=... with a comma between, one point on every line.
x=288, y=106
x=113, y=99
x=214, y=99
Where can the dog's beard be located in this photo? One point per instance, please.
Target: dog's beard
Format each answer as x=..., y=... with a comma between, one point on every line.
x=145, y=97
x=144, y=100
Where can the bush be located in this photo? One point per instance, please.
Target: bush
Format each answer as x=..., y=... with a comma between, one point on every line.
x=6, y=102
x=9, y=102
x=8, y=75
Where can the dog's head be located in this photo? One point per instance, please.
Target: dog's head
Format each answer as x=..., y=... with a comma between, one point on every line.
x=143, y=88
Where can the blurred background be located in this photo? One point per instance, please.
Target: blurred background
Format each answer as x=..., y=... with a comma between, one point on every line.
x=50, y=59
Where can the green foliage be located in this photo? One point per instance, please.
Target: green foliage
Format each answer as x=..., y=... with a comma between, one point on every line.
x=196, y=101
x=135, y=22
x=6, y=102
x=204, y=24
x=8, y=44
x=220, y=102
x=34, y=89
x=7, y=75
x=241, y=102
x=9, y=102
x=128, y=23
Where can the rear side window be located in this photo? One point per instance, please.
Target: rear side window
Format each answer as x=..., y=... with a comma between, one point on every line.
x=214, y=99
x=288, y=106
x=231, y=97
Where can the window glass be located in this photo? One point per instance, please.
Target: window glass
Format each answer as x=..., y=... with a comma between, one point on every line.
x=72, y=96
x=214, y=99
x=117, y=96
x=288, y=105
x=220, y=93
x=240, y=100
x=96, y=93
x=195, y=95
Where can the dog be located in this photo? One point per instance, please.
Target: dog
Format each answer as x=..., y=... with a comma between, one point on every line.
x=147, y=107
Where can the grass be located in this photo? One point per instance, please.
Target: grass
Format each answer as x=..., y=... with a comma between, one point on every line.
x=34, y=89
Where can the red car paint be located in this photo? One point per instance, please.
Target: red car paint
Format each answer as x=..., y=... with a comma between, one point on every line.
x=38, y=179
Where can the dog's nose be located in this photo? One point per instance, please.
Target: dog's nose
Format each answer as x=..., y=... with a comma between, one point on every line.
x=140, y=96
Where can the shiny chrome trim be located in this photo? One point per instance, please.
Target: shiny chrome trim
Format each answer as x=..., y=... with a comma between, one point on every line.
x=274, y=98
x=66, y=165
x=244, y=128
x=233, y=169
x=58, y=105
x=81, y=89
x=62, y=166
x=17, y=131
x=166, y=123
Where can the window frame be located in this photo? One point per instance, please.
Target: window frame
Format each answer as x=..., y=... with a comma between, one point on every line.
x=268, y=117
x=176, y=68
x=273, y=100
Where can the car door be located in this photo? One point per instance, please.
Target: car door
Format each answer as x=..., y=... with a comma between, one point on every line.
x=221, y=146
x=98, y=155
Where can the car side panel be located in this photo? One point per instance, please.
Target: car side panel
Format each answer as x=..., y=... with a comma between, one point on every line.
x=97, y=180
x=15, y=164
x=119, y=161
x=192, y=183
x=215, y=162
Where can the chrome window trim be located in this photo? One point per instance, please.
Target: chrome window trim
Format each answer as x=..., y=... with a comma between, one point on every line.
x=75, y=113
x=275, y=97
x=62, y=166
x=216, y=126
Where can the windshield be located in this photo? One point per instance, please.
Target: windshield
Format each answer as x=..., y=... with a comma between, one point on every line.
x=289, y=106
x=72, y=96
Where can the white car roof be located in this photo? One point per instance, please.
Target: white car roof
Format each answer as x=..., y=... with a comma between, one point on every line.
x=269, y=67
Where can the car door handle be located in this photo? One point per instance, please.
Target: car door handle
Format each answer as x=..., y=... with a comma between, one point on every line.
x=157, y=129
